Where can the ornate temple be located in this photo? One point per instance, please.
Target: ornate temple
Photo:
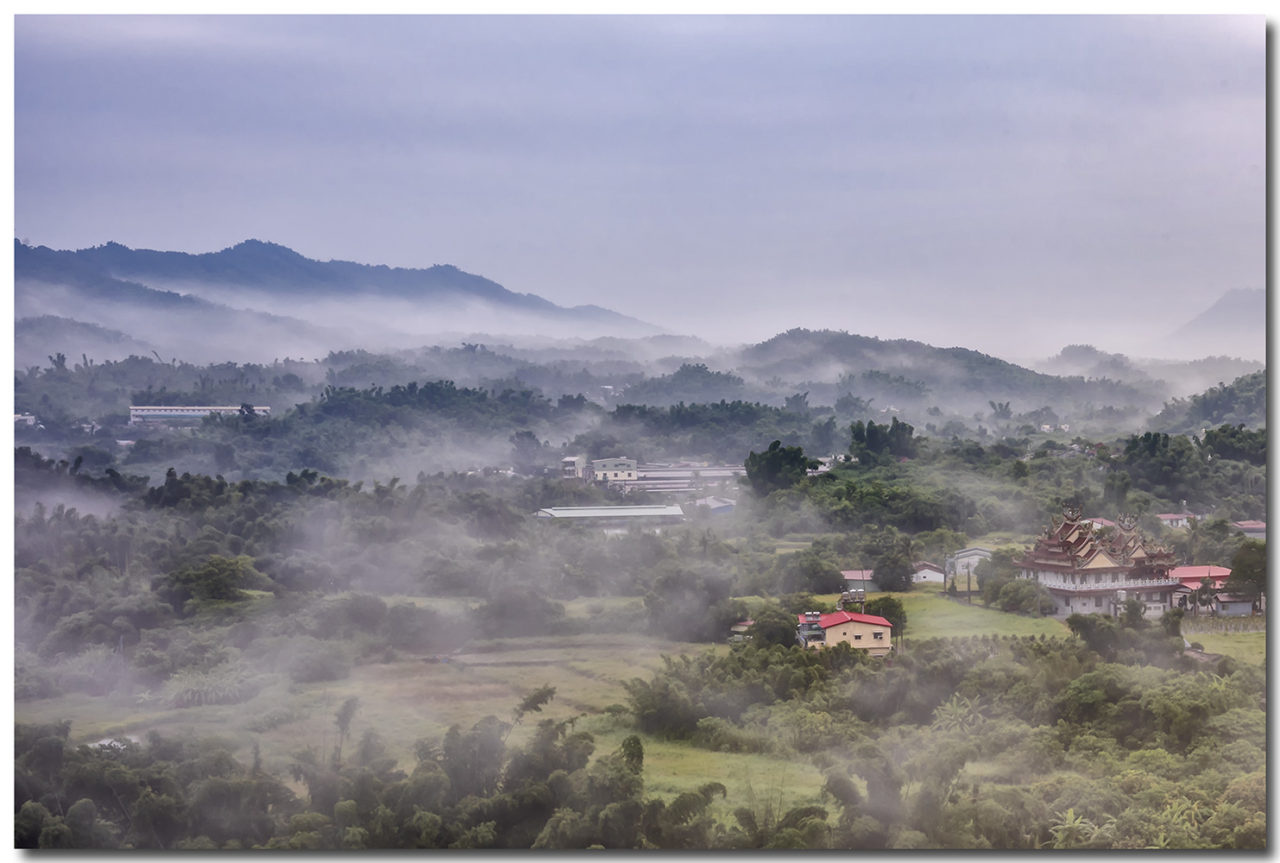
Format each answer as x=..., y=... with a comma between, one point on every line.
x=1092, y=571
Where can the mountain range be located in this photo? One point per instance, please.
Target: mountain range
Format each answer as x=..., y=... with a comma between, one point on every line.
x=260, y=301
x=1229, y=326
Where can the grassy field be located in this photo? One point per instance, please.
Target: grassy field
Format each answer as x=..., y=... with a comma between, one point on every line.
x=1248, y=647
x=412, y=698
x=1244, y=639
x=932, y=614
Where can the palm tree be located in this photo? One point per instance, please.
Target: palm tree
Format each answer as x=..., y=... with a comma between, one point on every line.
x=1072, y=830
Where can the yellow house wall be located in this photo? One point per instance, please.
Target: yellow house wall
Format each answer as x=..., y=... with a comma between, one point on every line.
x=846, y=632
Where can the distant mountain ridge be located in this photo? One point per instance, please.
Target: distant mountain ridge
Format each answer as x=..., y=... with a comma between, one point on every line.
x=259, y=300
x=906, y=371
x=1234, y=325
x=266, y=266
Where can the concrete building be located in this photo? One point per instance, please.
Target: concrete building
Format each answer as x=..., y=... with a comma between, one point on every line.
x=963, y=561
x=926, y=571
x=573, y=467
x=608, y=469
x=1226, y=605
x=868, y=632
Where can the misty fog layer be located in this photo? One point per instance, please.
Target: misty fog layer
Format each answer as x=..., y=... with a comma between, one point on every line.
x=337, y=613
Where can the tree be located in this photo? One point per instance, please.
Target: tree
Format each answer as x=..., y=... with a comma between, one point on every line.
x=772, y=625
x=1022, y=596
x=342, y=719
x=870, y=442
x=776, y=468
x=894, y=571
x=219, y=578
x=527, y=452
x=1249, y=570
x=1071, y=830
x=891, y=609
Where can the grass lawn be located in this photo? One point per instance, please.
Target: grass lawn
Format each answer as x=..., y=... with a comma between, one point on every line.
x=412, y=698
x=932, y=614
x=403, y=700
x=1003, y=539
x=673, y=767
x=1248, y=647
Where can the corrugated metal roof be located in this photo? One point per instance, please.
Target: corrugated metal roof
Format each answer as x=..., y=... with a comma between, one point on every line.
x=836, y=618
x=651, y=510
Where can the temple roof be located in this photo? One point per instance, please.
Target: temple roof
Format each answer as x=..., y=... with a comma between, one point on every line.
x=1073, y=543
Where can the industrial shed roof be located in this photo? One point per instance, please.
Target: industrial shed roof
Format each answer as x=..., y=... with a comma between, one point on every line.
x=588, y=512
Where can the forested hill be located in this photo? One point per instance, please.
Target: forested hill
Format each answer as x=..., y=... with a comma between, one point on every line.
x=278, y=270
x=905, y=372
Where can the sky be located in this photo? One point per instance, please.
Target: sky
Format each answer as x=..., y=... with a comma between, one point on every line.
x=1011, y=184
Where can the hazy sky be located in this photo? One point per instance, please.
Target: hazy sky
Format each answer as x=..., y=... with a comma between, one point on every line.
x=1007, y=183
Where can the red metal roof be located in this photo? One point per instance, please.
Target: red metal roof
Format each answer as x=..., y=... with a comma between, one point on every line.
x=836, y=618
x=1191, y=576
x=856, y=574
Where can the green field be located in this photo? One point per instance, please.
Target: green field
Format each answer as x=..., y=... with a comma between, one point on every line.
x=416, y=697
x=1244, y=639
x=933, y=614
x=1248, y=647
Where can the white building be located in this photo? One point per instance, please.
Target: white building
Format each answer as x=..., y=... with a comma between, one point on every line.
x=613, y=468
x=964, y=560
x=184, y=413
x=573, y=467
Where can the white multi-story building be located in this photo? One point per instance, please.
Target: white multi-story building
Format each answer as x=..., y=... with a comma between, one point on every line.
x=573, y=467
x=614, y=468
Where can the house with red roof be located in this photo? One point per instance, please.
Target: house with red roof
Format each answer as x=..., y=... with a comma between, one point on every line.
x=1175, y=520
x=858, y=579
x=1192, y=576
x=1252, y=528
x=868, y=632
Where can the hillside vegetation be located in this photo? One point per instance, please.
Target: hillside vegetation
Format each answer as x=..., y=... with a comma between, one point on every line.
x=338, y=626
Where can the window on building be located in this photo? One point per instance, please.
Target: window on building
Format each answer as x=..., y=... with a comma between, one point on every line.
x=857, y=638
x=878, y=635
x=1097, y=602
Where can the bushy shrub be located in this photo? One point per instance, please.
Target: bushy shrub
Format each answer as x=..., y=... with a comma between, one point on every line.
x=224, y=685
x=723, y=736
x=326, y=662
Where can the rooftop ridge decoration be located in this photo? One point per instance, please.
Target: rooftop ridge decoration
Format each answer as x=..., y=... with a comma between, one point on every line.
x=1073, y=542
